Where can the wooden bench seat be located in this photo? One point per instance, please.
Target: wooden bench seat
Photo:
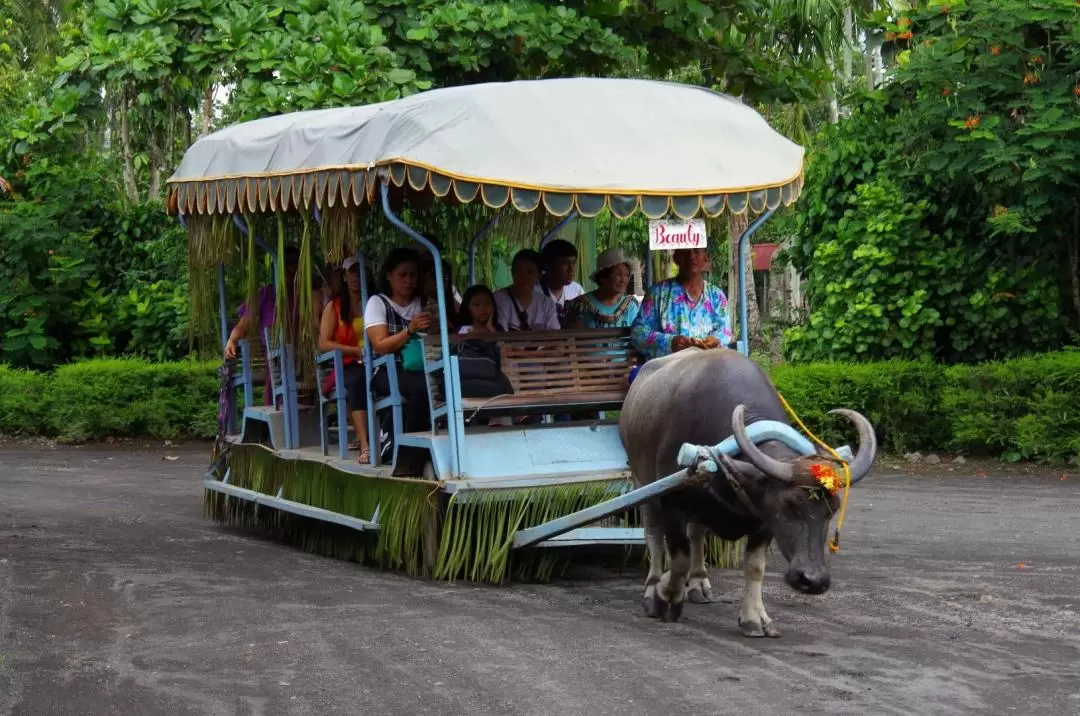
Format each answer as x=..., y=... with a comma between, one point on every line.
x=584, y=369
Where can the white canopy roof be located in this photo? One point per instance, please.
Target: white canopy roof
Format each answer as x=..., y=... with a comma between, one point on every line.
x=563, y=143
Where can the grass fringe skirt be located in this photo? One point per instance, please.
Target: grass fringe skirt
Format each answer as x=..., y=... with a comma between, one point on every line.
x=422, y=531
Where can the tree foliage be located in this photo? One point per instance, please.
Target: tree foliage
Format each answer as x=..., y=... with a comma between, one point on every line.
x=107, y=94
x=942, y=219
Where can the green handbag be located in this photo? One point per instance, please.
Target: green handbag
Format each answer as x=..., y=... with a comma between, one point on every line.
x=412, y=355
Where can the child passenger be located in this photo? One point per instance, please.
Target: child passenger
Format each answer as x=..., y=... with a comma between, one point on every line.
x=477, y=311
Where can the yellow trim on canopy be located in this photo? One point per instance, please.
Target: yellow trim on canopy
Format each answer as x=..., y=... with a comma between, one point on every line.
x=496, y=182
x=328, y=188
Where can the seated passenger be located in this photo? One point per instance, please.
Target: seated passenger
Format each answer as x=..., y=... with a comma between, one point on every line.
x=392, y=320
x=521, y=306
x=559, y=262
x=479, y=361
x=430, y=296
x=608, y=306
x=341, y=329
x=477, y=311
x=266, y=313
x=427, y=261
x=683, y=311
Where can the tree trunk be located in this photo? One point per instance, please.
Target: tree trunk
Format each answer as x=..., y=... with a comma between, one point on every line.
x=737, y=225
x=207, y=110
x=1074, y=263
x=157, y=163
x=834, y=101
x=169, y=154
x=130, y=187
x=187, y=128
x=849, y=42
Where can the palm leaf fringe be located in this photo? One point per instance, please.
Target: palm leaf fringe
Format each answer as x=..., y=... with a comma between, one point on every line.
x=339, y=232
x=407, y=513
x=307, y=337
x=211, y=241
x=471, y=542
x=480, y=524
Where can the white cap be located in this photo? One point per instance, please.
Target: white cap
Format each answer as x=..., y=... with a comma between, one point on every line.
x=609, y=258
x=348, y=263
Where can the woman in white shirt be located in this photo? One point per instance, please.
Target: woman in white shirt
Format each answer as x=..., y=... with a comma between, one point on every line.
x=392, y=319
x=521, y=306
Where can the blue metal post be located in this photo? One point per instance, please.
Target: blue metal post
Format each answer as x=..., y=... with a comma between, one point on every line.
x=448, y=374
x=373, y=433
x=342, y=407
x=242, y=227
x=292, y=399
x=475, y=240
x=558, y=227
x=744, y=245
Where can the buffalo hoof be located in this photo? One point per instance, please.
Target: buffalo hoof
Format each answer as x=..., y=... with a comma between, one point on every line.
x=652, y=607
x=672, y=612
x=754, y=630
x=698, y=595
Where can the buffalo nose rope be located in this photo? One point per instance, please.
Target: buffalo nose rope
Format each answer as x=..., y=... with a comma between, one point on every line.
x=834, y=544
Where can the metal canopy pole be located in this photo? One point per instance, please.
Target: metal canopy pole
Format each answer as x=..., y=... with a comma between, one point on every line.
x=444, y=349
x=369, y=399
x=558, y=227
x=744, y=245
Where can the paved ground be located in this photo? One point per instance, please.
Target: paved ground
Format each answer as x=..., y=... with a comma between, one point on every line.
x=951, y=595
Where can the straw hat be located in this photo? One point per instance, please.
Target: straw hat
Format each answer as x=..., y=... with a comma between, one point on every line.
x=612, y=257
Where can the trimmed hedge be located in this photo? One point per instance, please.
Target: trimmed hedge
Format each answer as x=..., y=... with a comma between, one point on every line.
x=116, y=397
x=22, y=404
x=1028, y=408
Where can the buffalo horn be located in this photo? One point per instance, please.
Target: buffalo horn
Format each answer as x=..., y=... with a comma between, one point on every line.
x=768, y=465
x=864, y=458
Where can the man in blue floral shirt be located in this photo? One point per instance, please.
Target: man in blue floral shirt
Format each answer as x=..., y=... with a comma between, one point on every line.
x=683, y=311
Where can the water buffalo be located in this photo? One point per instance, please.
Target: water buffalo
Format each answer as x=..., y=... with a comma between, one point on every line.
x=702, y=397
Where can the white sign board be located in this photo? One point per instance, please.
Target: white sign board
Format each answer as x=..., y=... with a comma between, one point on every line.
x=665, y=235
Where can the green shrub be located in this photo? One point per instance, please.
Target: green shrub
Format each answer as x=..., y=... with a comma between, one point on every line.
x=1028, y=408
x=902, y=400
x=131, y=397
x=22, y=410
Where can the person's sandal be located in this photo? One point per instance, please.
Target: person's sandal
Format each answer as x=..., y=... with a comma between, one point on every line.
x=365, y=457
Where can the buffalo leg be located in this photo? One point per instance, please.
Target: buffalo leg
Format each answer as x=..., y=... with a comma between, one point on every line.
x=699, y=589
x=753, y=620
x=672, y=588
x=654, y=543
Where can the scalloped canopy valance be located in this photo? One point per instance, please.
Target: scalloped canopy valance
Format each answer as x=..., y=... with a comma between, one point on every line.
x=564, y=144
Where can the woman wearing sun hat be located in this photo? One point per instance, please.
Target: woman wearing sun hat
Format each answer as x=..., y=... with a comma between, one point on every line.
x=608, y=306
